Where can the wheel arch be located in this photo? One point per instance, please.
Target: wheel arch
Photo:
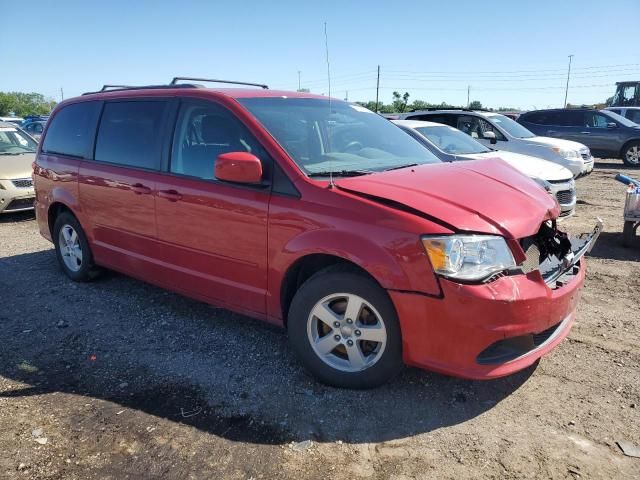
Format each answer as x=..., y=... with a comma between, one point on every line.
x=306, y=267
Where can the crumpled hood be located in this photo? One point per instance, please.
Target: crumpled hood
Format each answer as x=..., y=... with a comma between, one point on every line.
x=483, y=196
x=530, y=166
x=556, y=142
x=16, y=166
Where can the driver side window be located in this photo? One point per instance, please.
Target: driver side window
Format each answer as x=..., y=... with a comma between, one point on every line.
x=470, y=126
x=203, y=132
x=597, y=120
x=487, y=127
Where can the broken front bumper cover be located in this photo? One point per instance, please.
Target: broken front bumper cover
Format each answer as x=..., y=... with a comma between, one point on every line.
x=553, y=268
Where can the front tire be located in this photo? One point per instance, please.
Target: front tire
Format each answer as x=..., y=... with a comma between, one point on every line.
x=631, y=154
x=72, y=249
x=344, y=328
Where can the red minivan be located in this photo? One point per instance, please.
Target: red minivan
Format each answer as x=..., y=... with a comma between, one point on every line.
x=314, y=214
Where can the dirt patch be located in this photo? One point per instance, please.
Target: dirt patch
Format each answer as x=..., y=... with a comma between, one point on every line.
x=118, y=379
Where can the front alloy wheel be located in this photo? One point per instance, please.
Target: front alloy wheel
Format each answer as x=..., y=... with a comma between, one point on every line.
x=345, y=330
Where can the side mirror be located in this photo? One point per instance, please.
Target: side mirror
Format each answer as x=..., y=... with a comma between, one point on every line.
x=491, y=136
x=612, y=125
x=238, y=167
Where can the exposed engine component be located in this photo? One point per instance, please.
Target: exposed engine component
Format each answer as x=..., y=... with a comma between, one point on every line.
x=552, y=242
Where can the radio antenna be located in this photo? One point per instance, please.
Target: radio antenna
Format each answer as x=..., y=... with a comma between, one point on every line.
x=326, y=48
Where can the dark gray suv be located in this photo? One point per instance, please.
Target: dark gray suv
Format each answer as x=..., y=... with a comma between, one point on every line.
x=606, y=133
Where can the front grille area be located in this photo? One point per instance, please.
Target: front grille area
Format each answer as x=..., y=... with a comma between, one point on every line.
x=566, y=180
x=586, y=156
x=550, y=252
x=23, y=183
x=509, y=349
x=566, y=197
x=20, y=204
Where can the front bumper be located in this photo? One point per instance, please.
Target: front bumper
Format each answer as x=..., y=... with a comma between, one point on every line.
x=587, y=166
x=16, y=195
x=494, y=329
x=565, y=194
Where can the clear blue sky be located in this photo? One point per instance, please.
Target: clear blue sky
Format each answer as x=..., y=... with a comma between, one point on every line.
x=511, y=53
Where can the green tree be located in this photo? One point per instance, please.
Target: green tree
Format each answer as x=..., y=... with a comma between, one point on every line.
x=400, y=101
x=22, y=104
x=475, y=105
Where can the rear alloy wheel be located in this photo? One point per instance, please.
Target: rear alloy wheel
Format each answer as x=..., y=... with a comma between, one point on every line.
x=631, y=154
x=345, y=330
x=72, y=249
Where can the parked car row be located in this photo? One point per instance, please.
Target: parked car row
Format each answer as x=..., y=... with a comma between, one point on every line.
x=605, y=132
x=494, y=129
x=320, y=216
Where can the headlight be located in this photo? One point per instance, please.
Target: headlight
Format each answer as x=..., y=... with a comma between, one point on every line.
x=543, y=183
x=468, y=257
x=568, y=154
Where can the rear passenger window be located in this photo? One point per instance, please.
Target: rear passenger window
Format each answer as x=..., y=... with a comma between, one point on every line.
x=130, y=134
x=72, y=130
x=633, y=115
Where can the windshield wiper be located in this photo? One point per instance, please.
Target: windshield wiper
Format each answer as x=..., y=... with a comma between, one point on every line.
x=11, y=153
x=401, y=166
x=340, y=173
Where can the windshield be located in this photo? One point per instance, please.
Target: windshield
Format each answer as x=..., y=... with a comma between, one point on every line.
x=620, y=119
x=14, y=142
x=451, y=140
x=349, y=138
x=512, y=127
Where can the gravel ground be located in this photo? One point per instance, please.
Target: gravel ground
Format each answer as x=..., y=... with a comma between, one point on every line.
x=118, y=379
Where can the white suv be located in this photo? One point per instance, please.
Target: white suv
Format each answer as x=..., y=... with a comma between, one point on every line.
x=493, y=129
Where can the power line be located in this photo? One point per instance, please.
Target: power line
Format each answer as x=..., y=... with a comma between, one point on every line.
x=516, y=71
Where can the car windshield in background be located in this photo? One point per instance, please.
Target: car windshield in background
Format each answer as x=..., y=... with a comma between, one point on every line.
x=512, y=127
x=335, y=136
x=14, y=142
x=452, y=140
x=620, y=119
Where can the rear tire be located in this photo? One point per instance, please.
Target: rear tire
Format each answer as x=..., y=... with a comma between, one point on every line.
x=72, y=249
x=629, y=234
x=344, y=329
x=631, y=154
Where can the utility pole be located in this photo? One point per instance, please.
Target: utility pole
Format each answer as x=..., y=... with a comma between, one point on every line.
x=346, y=95
x=377, y=88
x=468, y=95
x=566, y=91
x=299, y=88
x=61, y=94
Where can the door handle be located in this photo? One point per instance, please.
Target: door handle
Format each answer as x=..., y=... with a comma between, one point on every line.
x=585, y=133
x=170, y=195
x=140, y=189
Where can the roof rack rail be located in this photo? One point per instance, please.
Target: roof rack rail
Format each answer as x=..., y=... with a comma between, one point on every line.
x=233, y=82
x=464, y=109
x=111, y=88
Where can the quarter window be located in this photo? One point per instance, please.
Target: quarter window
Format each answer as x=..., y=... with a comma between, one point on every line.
x=72, y=130
x=204, y=131
x=130, y=133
